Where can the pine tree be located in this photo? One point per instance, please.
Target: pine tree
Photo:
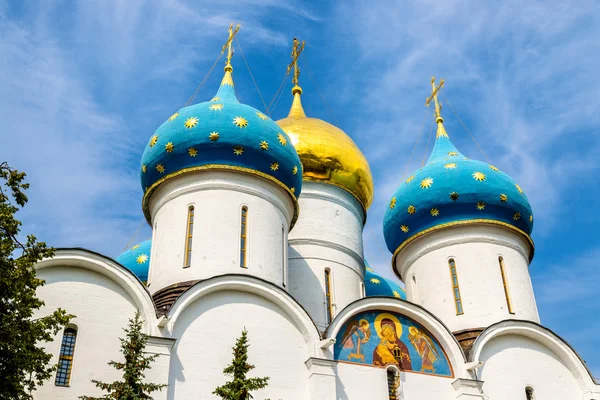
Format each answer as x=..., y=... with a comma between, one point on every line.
x=240, y=387
x=131, y=387
x=24, y=364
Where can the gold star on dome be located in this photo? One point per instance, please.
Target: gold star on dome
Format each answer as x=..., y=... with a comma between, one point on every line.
x=404, y=228
x=153, y=140
x=264, y=145
x=142, y=258
x=530, y=218
x=375, y=281
x=370, y=269
x=454, y=196
x=215, y=99
x=411, y=210
x=426, y=183
x=262, y=116
x=519, y=189
x=169, y=147
x=396, y=294
x=480, y=205
x=216, y=107
x=192, y=152
x=213, y=136
x=293, y=189
x=450, y=165
x=295, y=170
x=172, y=117
x=274, y=166
x=160, y=168
x=240, y=122
x=238, y=150
x=392, y=203
x=517, y=216
x=452, y=154
x=191, y=122
x=503, y=198
x=137, y=246
x=434, y=212
x=410, y=178
x=281, y=139
x=494, y=168
x=479, y=176
x=144, y=168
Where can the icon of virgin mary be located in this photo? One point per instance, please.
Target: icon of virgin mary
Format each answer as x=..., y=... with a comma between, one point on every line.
x=390, y=350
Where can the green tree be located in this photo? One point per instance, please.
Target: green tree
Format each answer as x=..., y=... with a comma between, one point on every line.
x=131, y=386
x=24, y=363
x=241, y=386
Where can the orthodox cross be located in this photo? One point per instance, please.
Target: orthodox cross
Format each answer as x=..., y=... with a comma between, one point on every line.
x=296, y=50
x=434, y=92
x=227, y=44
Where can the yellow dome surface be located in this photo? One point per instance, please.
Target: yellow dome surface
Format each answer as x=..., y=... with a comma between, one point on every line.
x=328, y=155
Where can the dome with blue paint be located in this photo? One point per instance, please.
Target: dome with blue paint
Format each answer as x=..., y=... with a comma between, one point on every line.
x=221, y=134
x=377, y=285
x=137, y=260
x=451, y=189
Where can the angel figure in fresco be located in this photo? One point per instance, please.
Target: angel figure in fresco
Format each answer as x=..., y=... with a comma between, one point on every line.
x=391, y=350
x=357, y=333
x=425, y=348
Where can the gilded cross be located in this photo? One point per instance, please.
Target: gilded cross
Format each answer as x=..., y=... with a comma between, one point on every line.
x=296, y=50
x=227, y=44
x=434, y=92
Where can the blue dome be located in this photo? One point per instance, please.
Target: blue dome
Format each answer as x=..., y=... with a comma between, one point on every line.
x=137, y=260
x=376, y=285
x=454, y=190
x=221, y=134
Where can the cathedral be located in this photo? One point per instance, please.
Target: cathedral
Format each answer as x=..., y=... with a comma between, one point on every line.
x=258, y=224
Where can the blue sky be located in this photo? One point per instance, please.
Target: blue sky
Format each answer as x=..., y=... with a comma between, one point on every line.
x=84, y=84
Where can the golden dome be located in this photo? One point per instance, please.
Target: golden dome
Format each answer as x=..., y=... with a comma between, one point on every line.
x=328, y=155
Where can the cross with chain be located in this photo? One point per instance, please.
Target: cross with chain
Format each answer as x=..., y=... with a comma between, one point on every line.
x=296, y=50
x=227, y=44
x=434, y=92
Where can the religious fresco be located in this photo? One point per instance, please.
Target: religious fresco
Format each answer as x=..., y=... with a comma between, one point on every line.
x=384, y=338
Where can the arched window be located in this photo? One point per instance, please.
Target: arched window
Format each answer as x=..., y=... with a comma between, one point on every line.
x=455, y=287
x=244, y=237
x=529, y=393
x=65, y=358
x=188, y=237
x=362, y=289
x=328, y=295
x=393, y=380
x=505, y=284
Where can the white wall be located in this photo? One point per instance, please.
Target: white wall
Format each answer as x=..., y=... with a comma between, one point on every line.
x=475, y=249
x=217, y=198
x=364, y=382
x=208, y=328
x=328, y=234
x=102, y=308
x=512, y=362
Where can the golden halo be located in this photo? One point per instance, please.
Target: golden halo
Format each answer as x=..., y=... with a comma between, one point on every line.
x=413, y=330
x=382, y=316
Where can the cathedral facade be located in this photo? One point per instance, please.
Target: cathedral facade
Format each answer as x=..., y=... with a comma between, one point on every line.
x=258, y=224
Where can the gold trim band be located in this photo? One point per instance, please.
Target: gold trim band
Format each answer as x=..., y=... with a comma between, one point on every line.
x=458, y=223
x=218, y=167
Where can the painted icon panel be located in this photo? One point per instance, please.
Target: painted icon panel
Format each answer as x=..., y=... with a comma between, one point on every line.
x=384, y=338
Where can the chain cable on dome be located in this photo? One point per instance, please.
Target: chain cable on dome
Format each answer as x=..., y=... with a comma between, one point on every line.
x=193, y=96
x=137, y=231
x=280, y=94
x=323, y=100
x=279, y=90
x=465, y=127
x=252, y=76
x=427, y=147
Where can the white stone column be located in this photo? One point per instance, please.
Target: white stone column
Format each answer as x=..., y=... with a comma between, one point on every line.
x=321, y=378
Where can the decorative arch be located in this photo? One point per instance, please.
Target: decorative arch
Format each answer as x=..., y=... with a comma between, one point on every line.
x=249, y=284
x=404, y=312
x=542, y=335
x=81, y=258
